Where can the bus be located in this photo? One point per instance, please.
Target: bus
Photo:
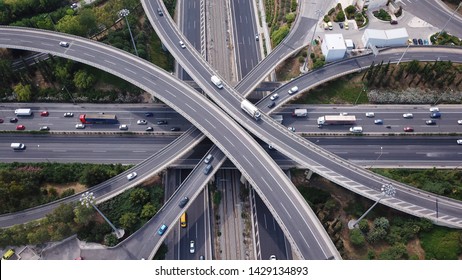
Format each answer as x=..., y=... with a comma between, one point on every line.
x=183, y=220
x=98, y=119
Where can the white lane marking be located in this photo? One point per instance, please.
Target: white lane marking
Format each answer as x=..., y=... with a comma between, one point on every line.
x=285, y=210
x=110, y=62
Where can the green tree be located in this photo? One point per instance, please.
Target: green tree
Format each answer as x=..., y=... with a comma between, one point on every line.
x=71, y=25
x=357, y=238
x=364, y=226
x=148, y=211
x=396, y=252
x=128, y=220
x=87, y=20
x=83, y=214
x=83, y=79
x=381, y=222
x=340, y=16
x=110, y=240
x=23, y=92
x=38, y=236
x=139, y=196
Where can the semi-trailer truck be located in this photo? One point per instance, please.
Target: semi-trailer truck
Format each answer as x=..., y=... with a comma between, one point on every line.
x=216, y=81
x=23, y=112
x=250, y=109
x=336, y=119
x=300, y=113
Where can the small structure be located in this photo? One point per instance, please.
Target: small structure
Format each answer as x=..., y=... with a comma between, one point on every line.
x=333, y=47
x=385, y=38
x=371, y=4
x=349, y=44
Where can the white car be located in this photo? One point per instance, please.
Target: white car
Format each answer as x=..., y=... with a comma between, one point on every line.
x=64, y=44
x=291, y=128
x=370, y=114
x=273, y=257
x=293, y=90
x=459, y=121
x=459, y=142
x=182, y=45
x=131, y=176
x=192, y=247
x=344, y=114
x=274, y=96
x=434, y=109
x=68, y=115
x=123, y=127
x=141, y=122
x=80, y=126
x=408, y=115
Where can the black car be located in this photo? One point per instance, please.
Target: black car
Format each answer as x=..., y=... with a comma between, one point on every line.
x=420, y=42
x=430, y=122
x=148, y=114
x=271, y=104
x=435, y=115
x=414, y=41
x=13, y=120
x=340, y=24
x=161, y=122
x=175, y=128
x=183, y=201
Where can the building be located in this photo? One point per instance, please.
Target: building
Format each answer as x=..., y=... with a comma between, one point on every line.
x=333, y=47
x=385, y=38
x=371, y=4
x=349, y=44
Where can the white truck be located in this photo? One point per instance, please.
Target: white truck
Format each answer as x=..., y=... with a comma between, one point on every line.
x=300, y=113
x=216, y=81
x=336, y=119
x=250, y=109
x=23, y=112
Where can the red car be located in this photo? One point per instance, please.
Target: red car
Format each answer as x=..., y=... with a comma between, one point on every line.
x=408, y=129
x=20, y=127
x=44, y=113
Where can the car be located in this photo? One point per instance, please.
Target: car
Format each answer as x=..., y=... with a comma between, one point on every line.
x=393, y=21
x=414, y=41
x=430, y=122
x=159, y=12
x=68, y=115
x=80, y=126
x=356, y=129
x=183, y=202
x=434, y=109
x=435, y=115
x=20, y=127
x=459, y=121
x=44, y=128
x=123, y=127
x=420, y=41
x=408, y=129
x=74, y=6
x=274, y=96
x=201, y=258
x=409, y=41
x=207, y=169
x=340, y=24
x=271, y=147
x=459, y=142
x=292, y=90
x=162, y=229
x=257, y=37
x=175, y=128
x=208, y=158
x=182, y=45
x=344, y=114
x=13, y=120
x=370, y=114
x=141, y=122
x=346, y=25
x=148, y=114
x=330, y=26
x=426, y=42
x=131, y=176
x=149, y=128
x=64, y=44
x=271, y=104
x=273, y=257
x=388, y=126
x=192, y=247
x=378, y=121
x=44, y=114
x=408, y=115
x=291, y=128
x=161, y=122
x=1, y=120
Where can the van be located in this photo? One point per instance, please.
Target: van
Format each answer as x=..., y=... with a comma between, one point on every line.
x=8, y=254
x=183, y=220
x=356, y=129
x=18, y=146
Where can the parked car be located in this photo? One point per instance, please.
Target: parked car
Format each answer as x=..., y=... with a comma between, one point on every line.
x=141, y=122
x=68, y=115
x=420, y=41
x=346, y=25
x=408, y=129
x=162, y=229
x=430, y=122
x=414, y=41
x=20, y=127
x=131, y=176
x=183, y=201
x=408, y=115
x=80, y=126
x=330, y=26
x=44, y=114
x=274, y=96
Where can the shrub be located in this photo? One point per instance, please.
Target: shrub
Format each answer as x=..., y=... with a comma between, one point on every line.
x=340, y=16
x=441, y=244
x=357, y=238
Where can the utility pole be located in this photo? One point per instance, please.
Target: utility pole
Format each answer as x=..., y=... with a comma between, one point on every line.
x=124, y=13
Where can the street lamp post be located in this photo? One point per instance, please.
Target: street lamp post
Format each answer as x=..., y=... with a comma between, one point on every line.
x=387, y=190
x=375, y=162
x=403, y=54
x=318, y=12
x=88, y=199
x=124, y=13
x=70, y=95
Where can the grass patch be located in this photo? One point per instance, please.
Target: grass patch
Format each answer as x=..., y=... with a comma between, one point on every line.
x=442, y=244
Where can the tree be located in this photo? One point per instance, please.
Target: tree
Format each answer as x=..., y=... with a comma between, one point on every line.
x=340, y=16
x=139, y=196
x=83, y=79
x=364, y=226
x=38, y=236
x=83, y=214
x=148, y=211
x=23, y=92
x=87, y=20
x=381, y=222
x=110, y=240
x=71, y=25
x=128, y=220
x=357, y=238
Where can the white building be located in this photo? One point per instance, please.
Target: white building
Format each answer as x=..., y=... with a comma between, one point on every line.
x=333, y=47
x=385, y=38
x=371, y=4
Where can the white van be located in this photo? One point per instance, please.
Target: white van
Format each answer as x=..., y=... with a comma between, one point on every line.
x=18, y=146
x=356, y=129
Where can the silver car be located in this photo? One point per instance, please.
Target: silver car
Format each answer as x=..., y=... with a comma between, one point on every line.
x=131, y=176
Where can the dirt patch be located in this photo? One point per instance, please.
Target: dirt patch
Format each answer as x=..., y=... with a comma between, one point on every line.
x=414, y=248
x=60, y=188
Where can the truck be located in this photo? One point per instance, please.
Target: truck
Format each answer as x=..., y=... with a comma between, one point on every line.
x=98, y=119
x=217, y=82
x=23, y=112
x=250, y=109
x=336, y=119
x=300, y=113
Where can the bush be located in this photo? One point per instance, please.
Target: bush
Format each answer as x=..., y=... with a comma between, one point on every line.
x=340, y=16
x=357, y=238
x=331, y=11
x=441, y=244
